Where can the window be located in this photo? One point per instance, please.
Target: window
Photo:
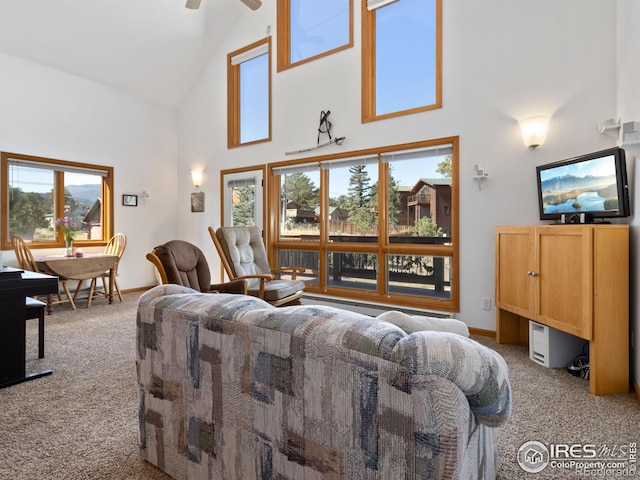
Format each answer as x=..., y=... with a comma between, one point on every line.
x=401, y=57
x=242, y=197
x=299, y=203
x=249, y=94
x=376, y=225
x=418, y=213
x=353, y=199
x=37, y=191
x=308, y=30
x=243, y=201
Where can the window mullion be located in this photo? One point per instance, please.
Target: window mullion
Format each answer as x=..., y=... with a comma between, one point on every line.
x=233, y=105
x=368, y=64
x=58, y=193
x=284, y=40
x=383, y=224
x=324, y=229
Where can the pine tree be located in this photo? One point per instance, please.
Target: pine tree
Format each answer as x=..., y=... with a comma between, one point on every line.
x=359, y=189
x=243, y=207
x=361, y=212
x=299, y=188
x=444, y=167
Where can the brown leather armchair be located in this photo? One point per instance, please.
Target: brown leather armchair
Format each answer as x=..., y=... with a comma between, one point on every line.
x=182, y=263
x=244, y=257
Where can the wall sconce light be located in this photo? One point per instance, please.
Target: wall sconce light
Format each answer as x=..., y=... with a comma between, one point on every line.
x=196, y=177
x=534, y=131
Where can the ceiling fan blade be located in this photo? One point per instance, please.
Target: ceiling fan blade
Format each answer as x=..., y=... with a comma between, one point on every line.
x=193, y=4
x=252, y=4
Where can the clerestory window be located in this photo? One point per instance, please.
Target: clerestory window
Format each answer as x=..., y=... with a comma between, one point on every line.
x=308, y=30
x=401, y=57
x=249, y=94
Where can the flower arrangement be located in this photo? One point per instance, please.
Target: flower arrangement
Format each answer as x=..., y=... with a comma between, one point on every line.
x=68, y=228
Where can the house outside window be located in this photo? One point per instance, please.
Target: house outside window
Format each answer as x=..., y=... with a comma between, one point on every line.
x=249, y=94
x=376, y=225
x=37, y=191
x=401, y=57
x=308, y=30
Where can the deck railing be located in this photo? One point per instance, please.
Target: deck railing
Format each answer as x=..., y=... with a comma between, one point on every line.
x=415, y=270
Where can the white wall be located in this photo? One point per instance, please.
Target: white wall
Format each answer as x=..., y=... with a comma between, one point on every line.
x=522, y=58
x=48, y=113
x=629, y=110
x=502, y=60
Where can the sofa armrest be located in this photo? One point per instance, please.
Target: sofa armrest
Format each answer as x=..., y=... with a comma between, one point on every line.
x=481, y=373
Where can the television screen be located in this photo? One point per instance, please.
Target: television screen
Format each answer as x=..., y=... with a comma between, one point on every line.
x=594, y=184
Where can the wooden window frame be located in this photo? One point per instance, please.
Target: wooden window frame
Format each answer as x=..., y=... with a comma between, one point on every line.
x=383, y=247
x=223, y=187
x=284, y=37
x=233, y=96
x=106, y=196
x=369, y=67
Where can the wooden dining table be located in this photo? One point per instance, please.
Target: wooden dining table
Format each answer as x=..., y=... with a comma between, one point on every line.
x=86, y=267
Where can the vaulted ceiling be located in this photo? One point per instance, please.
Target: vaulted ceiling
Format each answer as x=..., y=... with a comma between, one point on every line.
x=155, y=49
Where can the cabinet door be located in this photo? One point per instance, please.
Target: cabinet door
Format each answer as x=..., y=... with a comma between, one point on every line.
x=515, y=257
x=565, y=279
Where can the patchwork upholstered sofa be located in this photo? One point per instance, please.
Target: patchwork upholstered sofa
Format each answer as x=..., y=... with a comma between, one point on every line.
x=233, y=388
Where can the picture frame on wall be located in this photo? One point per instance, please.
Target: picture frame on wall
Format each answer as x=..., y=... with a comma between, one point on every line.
x=197, y=202
x=130, y=200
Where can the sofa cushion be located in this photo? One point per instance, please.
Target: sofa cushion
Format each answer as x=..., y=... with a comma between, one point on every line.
x=332, y=326
x=419, y=323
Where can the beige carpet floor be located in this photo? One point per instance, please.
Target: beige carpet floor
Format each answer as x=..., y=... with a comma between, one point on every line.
x=81, y=422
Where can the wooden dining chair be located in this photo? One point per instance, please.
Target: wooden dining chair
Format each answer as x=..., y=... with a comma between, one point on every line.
x=23, y=254
x=27, y=262
x=116, y=246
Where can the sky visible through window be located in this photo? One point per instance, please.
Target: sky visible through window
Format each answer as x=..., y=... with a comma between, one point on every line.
x=405, y=172
x=31, y=179
x=40, y=180
x=254, y=99
x=405, y=55
x=318, y=27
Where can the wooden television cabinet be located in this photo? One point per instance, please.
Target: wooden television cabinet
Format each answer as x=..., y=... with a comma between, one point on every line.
x=574, y=278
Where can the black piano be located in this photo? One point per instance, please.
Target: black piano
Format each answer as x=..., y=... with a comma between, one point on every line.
x=15, y=286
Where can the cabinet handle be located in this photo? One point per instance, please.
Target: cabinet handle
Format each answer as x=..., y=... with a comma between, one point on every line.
x=532, y=274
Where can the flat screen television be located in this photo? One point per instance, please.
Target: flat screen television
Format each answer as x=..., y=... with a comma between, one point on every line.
x=594, y=184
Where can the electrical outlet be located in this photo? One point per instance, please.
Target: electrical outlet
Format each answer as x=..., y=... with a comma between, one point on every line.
x=486, y=303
